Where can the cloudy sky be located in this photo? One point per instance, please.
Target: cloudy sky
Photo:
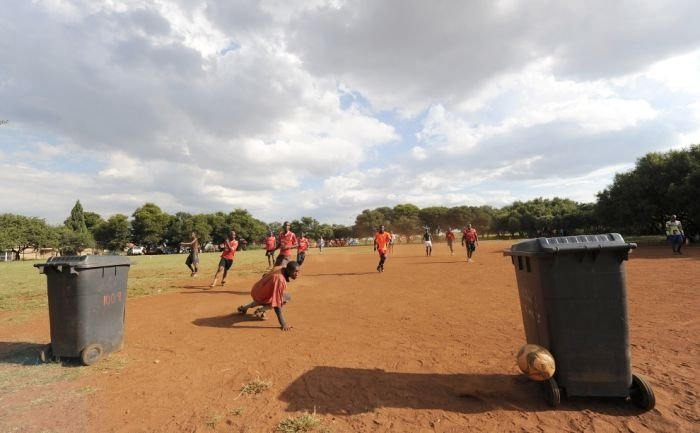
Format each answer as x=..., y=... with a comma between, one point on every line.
x=324, y=108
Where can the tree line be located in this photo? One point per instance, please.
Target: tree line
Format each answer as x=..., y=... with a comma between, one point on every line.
x=638, y=202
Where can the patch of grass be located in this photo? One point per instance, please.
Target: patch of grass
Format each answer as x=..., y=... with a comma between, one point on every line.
x=214, y=420
x=14, y=377
x=236, y=411
x=256, y=386
x=112, y=362
x=24, y=288
x=302, y=423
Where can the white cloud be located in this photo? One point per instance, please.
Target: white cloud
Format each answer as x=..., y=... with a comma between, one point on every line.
x=205, y=106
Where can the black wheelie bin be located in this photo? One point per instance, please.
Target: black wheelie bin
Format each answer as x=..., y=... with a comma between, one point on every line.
x=574, y=303
x=87, y=305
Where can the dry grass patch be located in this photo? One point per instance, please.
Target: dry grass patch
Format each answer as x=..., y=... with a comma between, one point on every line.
x=303, y=423
x=256, y=386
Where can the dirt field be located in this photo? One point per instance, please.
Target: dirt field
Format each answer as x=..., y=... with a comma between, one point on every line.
x=426, y=346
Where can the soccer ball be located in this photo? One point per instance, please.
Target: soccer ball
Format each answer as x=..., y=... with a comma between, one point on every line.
x=260, y=313
x=536, y=362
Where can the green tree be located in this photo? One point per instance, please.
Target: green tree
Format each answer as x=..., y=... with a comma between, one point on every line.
x=246, y=226
x=149, y=225
x=17, y=233
x=114, y=234
x=406, y=220
x=92, y=221
x=77, y=237
x=435, y=217
x=661, y=184
x=367, y=222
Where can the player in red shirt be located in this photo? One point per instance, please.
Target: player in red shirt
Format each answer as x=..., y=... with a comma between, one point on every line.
x=226, y=261
x=450, y=237
x=269, y=292
x=270, y=247
x=382, y=240
x=303, y=247
x=286, y=243
x=470, y=237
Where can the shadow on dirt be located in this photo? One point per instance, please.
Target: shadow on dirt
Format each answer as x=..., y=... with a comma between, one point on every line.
x=209, y=291
x=340, y=274
x=239, y=321
x=26, y=353
x=350, y=391
x=20, y=352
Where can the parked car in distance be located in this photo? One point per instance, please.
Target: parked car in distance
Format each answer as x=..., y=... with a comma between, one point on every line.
x=135, y=251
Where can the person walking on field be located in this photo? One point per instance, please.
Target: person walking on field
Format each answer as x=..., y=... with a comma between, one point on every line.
x=193, y=257
x=674, y=234
x=428, y=242
x=471, y=239
x=286, y=243
x=226, y=261
x=270, y=247
x=382, y=240
x=303, y=247
x=450, y=237
x=269, y=293
x=321, y=243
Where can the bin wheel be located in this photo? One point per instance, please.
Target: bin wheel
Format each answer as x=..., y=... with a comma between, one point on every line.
x=552, y=395
x=641, y=393
x=91, y=354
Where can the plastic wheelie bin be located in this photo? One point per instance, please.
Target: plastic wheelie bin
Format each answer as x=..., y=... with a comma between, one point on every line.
x=574, y=303
x=87, y=299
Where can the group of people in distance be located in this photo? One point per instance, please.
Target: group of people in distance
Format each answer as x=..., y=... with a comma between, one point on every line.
x=270, y=291
x=384, y=241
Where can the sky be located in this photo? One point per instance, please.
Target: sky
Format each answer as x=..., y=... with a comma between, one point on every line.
x=324, y=108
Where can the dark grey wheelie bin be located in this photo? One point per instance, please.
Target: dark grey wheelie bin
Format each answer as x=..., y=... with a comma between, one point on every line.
x=574, y=303
x=87, y=299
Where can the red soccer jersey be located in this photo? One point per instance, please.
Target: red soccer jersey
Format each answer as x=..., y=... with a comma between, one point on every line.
x=270, y=243
x=303, y=245
x=469, y=235
x=382, y=240
x=450, y=236
x=270, y=289
x=287, y=242
x=229, y=249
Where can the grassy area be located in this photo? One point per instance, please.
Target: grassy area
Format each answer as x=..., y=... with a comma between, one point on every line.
x=24, y=288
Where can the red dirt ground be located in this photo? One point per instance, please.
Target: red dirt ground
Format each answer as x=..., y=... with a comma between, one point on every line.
x=426, y=346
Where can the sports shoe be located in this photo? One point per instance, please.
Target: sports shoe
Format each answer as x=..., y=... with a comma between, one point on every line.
x=469, y=260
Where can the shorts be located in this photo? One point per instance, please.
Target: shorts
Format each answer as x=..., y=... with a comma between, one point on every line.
x=471, y=246
x=225, y=263
x=192, y=259
x=269, y=253
x=428, y=243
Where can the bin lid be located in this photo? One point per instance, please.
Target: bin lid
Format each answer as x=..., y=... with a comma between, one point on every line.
x=607, y=241
x=86, y=262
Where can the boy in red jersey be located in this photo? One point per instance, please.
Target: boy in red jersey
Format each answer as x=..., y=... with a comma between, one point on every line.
x=286, y=243
x=382, y=240
x=226, y=261
x=450, y=237
x=269, y=292
x=303, y=247
x=470, y=237
x=270, y=247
